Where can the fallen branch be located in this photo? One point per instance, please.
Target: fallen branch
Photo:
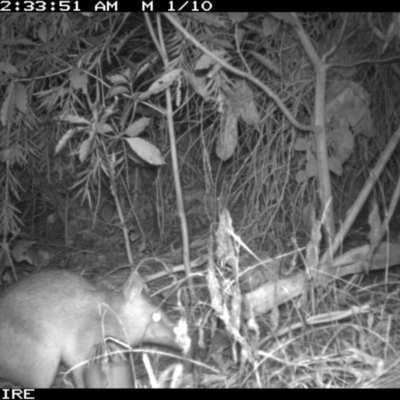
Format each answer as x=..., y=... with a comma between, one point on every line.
x=275, y=293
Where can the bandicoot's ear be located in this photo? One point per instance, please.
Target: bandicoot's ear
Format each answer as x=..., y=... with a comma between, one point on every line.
x=134, y=286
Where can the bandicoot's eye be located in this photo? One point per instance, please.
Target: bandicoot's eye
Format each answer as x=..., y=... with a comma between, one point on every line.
x=156, y=317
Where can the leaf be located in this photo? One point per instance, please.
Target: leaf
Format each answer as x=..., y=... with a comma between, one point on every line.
x=269, y=26
x=133, y=237
x=355, y=114
x=285, y=17
x=146, y=151
x=212, y=19
x=374, y=221
x=119, y=79
x=137, y=127
x=104, y=128
x=51, y=219
x=341, y=141
x=307, y=215
x=335, y=165
x=301, y=144
x=347, y=99
x=244, y=101
x=7, y=68
x=42, y=33
x=311, y=167
x=349, y=72
x=4, y=155
x=346, y=145
x=274, y=319
x=7, y=108
x=266, y=62
x=249, y=113
x=165, y=81
x=162, y=83
x=86, y=146
x=199, y=85
x=146, y=66
x=228, y=137
x=243, y=93
x=79, y=79
x=121, y=43
x=222, y=43
x=64, y=140
x=75, y=119
x=18, y=42
x=115, y=91
x=301, y=176
x=21, y=98
x=205, y=61
x=237, y=17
